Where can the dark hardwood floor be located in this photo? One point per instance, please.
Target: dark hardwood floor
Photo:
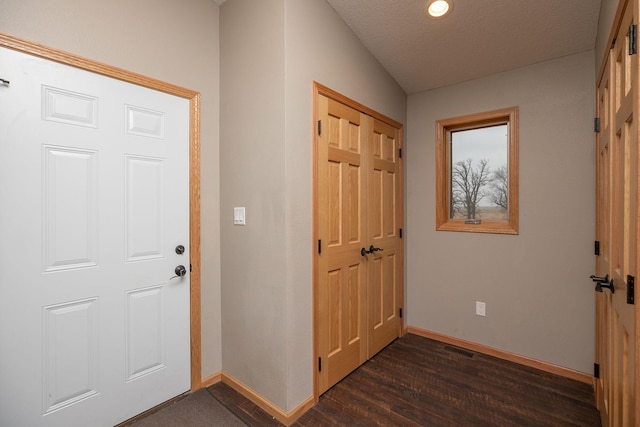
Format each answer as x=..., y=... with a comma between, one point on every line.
x=416, y=381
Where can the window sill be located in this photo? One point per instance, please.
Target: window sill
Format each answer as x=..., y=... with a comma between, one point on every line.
x=484, y=227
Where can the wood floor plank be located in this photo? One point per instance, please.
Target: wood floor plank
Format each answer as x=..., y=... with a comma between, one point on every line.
x=241, y=407
x=416, y=381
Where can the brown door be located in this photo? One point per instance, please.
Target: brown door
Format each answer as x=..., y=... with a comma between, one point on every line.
x=358, y=262
x=616, y=232
x=384, y=265
x=341, y=227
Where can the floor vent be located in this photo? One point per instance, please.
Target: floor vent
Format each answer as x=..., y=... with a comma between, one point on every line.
x=460, y=351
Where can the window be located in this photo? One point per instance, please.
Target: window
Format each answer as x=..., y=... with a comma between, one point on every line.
x=477, y=173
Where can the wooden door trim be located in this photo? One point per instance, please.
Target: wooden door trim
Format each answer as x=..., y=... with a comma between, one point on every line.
x=321, y=90
x=80, y=62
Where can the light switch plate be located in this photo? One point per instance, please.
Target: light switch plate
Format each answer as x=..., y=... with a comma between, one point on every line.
x=239, y=216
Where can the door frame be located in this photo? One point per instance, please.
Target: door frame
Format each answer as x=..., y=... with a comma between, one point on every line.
x=51, y=54
x=318, y=90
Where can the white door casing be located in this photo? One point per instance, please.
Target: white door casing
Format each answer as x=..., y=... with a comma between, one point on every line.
x=94, y=199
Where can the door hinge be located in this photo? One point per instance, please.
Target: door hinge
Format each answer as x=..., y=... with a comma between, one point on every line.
x=596, y=248
x=319, y=364
x=400, y=312
x=319, y=246
x=400, y=152
x=190, y=268
x=319, y=127
x=633, y=39
x=401, y=233
x=631, y=289
x=596, y=124
x=596, y=370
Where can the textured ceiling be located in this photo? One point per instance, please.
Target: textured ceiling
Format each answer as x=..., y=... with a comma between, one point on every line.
x=478, y=38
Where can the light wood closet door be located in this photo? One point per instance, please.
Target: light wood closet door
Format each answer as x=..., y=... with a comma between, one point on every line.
x=385, y=264
x=359, y=259
x=341, y=207
x=617, y=232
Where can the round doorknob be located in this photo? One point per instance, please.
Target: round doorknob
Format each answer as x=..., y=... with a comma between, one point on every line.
x=180, y=271
x=179, y=249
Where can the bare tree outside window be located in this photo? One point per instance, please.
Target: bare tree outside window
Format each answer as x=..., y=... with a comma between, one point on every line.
x=500, y=187
x=479, y=184
x=469, y=186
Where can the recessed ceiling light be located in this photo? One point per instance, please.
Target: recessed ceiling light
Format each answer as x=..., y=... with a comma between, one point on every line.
x=438, y=8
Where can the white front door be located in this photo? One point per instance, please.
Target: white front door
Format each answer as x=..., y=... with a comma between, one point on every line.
x=94, y=201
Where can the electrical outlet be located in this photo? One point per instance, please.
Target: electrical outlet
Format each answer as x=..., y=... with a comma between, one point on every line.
x=481, y=309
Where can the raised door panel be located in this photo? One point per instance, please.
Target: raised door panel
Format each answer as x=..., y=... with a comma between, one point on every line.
x=144, y=207
x=70, y=208
x=71, y=361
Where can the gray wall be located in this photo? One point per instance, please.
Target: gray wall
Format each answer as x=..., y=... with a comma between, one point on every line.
x=160, y=39
x=253, y=176
x=539, y=299
x=271, y=52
